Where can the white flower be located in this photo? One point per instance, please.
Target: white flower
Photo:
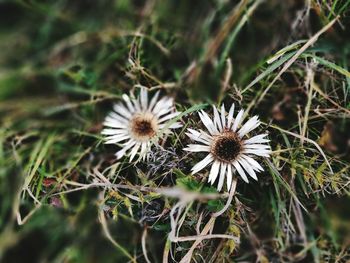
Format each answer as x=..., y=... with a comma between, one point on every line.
x=137, y=123
x=229, y=149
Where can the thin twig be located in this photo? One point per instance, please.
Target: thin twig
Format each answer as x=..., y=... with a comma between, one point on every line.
x=144, y=249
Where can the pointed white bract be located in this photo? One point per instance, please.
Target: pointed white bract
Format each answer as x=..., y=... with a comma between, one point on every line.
x=230, y=150
x=135, y=123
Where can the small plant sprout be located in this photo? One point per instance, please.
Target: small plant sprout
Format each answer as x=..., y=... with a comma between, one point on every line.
x=137, y=122
x=229, y=149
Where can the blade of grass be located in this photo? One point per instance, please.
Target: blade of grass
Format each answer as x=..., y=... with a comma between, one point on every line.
x=37, y=158
x=278, y=177
x=235, y=32
x=327, y=63
x=269, y=70
x=307, y=140
x=297, y=54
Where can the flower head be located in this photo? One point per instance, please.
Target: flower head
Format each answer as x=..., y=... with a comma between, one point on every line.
x=229, y=149
x=136, y=122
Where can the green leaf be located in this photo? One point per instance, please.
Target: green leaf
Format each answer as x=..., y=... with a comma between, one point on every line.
x=215, y=205
x=188, y=183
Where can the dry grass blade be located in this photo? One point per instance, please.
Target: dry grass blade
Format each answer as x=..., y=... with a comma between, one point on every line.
x=307, y=140
x=309, y=43
x=309, y=84
x=209, y=226
x=225, y=29
x=143, y=242
x=108, y=235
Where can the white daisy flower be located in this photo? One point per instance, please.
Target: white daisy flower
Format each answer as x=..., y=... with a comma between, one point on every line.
x=136, y=123
x=228, y=148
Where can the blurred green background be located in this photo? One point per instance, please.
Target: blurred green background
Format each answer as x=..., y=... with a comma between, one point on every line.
x=64, y=63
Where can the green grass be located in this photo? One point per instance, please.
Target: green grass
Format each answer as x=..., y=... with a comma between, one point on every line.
x=64, y=196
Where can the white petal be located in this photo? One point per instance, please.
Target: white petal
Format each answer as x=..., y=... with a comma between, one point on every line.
x=165, y=110
x=264, y=153
x=208, y=123
x=222, y=176
x=223, y=117
x=206, y=136
x=121, y=110
x=248, y=168
x=214, y=172
x=168, y=131
x=112, y=119
x=252, y=162
x=114, y=131
x=238, y=120
x=168, y=117
x=128, y=103
x=144, y=150
x=199, y=166
x=116, y=138
x=240, y=171
x=217, y=120
x=144, y=98
x=194, y=132
x=197, y=136
x=230, y=115
x=257, y=139
x=134, y=150
x=109, y=122
x=163, y=106
x=197, y=148
x=153, y=101
x=175, y=125
x=250, y=125
x=229, y=177
x=257, y=146
x=113, y=116
x=137, y=105
x=126, y=147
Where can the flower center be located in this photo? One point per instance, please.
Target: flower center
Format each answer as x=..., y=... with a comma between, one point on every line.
x=226, y=147
x=143, y=127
